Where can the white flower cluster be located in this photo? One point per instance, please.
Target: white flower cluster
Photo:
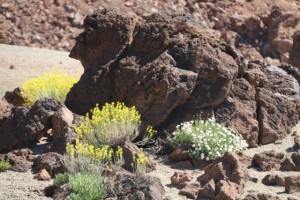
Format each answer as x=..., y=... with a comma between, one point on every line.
x=209, y=139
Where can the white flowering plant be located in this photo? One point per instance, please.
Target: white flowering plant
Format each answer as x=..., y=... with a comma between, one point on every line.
x=209, y=139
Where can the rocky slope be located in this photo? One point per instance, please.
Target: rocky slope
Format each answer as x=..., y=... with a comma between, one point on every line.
x=258, y=28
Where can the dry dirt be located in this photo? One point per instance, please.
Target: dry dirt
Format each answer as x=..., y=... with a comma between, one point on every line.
x=31, y=62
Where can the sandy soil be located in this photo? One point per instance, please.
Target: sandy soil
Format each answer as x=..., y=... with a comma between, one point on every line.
x=31, y=62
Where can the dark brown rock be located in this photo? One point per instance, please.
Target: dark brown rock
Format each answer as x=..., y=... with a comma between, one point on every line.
x=5, y=109
x=157, y=73
x=269, y=179
x=291, y=162
x=190, y=191
x=27, y=124
x=180, y=153
x=292, y=184
x=268, y=160
x=52, y=162
x=208, y=190
x=294, y=53
x=260, y=196
x=297, y=142
x=187, y=164
x=18, y=163
x=14, y=97
x=62, y=192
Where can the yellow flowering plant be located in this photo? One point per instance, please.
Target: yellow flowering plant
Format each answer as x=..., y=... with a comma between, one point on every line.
x=112, y=125
x=56, y=84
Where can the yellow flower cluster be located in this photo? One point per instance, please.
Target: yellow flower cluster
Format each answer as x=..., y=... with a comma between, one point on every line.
x=150, y=131
x=104, y=154
x=48, y=84
x=113, y=123
x=140, y=161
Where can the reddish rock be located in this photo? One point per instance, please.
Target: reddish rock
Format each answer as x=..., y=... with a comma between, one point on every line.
x=180, y=177
x=268, y=160
x=227, y=190
x=292, y=184
x=52, y=162
x=187, y=164
x=295, y=49
x=130, y=150
x=62, y=129
x=42, y=175
x=25, y=153
x=228, y=168
x=180, y=153
x=208, y=190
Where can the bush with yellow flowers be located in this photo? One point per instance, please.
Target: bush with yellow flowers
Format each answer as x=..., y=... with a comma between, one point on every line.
x=56, y=84
x=140, y=162
x=112, y=125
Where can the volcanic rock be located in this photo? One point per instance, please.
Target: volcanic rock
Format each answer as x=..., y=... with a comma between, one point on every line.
x=52, y=162
x=156, y=71
x=42, y=175
x=180, y=177
x=268, y=160
x=291, y=162
x=292, y=184
x=27, y=124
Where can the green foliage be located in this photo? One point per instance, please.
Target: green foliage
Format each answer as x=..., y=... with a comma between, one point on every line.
x=61, y=179
x=48, y=84
x=4, y=165
x=209, y=139
x=84, y=185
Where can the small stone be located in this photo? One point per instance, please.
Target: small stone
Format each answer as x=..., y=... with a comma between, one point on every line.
x=12, y=67
x=43, y=175
x=180, y=177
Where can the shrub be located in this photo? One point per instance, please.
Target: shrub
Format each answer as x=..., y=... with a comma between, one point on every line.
x=84, y=185
x=209, y=139
x=140, y=162
x=81, y=164
x=4, y=165
x=48, y=84
x=104, y=154
x=112, y=125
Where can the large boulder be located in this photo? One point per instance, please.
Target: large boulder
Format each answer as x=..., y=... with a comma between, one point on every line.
x=27, y=124
x=171, y=68
x=159, y=64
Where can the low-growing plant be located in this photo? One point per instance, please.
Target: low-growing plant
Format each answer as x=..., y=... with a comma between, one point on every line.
x=209, y=139
x=48, y=84
x=110, y=126
x=104, y=154
x=84, y=185
x=4, y=165
x=140, y=162
x=81, y=164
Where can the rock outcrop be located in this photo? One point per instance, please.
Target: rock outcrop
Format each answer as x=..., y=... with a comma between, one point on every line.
x=170, y=68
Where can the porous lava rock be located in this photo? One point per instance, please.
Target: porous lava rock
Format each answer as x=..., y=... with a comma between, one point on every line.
x=52, y=162
x=27, y=124
x=5, y=110
x=268, y=160
x=157, y=65
x=62, y=129
x=225, y=177
x=291, y=162
x=292, y=184
x=171, y=68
